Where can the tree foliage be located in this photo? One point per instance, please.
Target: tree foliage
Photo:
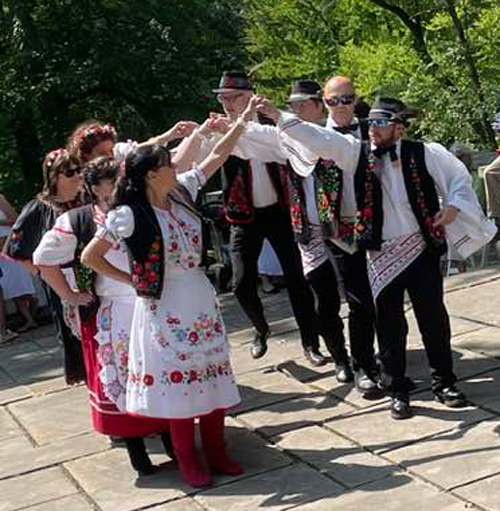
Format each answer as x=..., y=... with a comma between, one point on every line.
x=441, y=56
x=140, y=64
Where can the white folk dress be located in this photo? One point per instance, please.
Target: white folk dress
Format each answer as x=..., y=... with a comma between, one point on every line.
x=179, y=353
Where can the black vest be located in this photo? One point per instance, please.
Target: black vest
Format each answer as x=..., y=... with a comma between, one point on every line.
x=146, y=248
x=421, y=191
x=84, y=228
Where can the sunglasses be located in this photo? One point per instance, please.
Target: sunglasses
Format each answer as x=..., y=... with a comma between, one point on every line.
x=71, y=171
x=378, y=123
x=345, y=99
x=228, y=98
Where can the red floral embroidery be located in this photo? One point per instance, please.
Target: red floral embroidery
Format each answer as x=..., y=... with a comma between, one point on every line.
x=176, y=377
x=148, y=380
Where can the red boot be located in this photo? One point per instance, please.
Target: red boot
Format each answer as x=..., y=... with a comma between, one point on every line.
x=182, y=432
x=212, y=436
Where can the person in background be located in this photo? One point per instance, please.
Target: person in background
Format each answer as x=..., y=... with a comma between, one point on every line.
x=62, y=191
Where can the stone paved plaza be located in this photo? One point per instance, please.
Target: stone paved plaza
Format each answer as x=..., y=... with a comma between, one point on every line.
x=307, y=442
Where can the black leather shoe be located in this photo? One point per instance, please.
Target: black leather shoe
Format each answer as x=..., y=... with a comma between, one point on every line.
x=148, y=470
x=259, y=345
x=343, y=373
x=400, y=408
x=451, y=396
x=368, y=384
x=314, y=357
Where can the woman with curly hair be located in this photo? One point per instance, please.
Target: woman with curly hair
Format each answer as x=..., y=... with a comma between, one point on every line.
x=62, y=191
x=106, y=318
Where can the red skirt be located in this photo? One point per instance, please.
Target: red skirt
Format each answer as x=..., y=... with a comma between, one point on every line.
x=106, y=417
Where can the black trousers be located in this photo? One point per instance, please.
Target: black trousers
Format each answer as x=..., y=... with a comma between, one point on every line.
x=424, y=283
x=353, y=277
x=273, y=223
x=323, y=281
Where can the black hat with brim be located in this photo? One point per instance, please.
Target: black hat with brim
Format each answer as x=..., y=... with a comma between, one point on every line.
x=305, y=89
x=392, y=109
x=233, y=80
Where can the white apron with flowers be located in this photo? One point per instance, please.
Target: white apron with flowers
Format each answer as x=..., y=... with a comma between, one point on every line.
x=179, y=353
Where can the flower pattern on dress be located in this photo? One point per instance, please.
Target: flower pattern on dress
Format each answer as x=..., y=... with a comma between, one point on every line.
x=195, y=375
x=146, y=276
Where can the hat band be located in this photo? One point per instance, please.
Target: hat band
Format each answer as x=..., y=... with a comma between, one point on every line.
x=302, y=96
x=381, y=111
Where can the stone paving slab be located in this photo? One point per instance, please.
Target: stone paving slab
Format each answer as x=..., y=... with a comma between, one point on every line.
x=51, y=417
x=263, y=388
x=401, y=493
x=484, y=310
x=344, y=461
x=24, y=457
x=484, y=390
x=186, y=504
x=13, y=393
x=385, y=434
x=274, y=420
x=8, y=426
x=36, y=488
x=455, y=458
x=486, y=341
x=485, y=493
x=280, y=489
x=111, y=483
x=71, y=503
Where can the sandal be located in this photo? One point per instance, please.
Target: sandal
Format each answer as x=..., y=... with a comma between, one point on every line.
x=9, y=335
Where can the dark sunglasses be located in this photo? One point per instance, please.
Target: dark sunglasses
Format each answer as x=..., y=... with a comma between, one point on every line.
x=378, y=123
x=71, y=171
x=345, y=99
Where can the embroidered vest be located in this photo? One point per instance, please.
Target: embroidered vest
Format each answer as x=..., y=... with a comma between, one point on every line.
x=84, y=228
x=328, y=185
x=145, y=245
x=421, y=191
x=237, y=184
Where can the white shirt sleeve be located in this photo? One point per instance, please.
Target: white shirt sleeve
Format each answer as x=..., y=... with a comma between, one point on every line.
x=120, y=223
x=261, y=142
x=193, y=180
x=58, y=246
x=311, y=141
x=452, y=178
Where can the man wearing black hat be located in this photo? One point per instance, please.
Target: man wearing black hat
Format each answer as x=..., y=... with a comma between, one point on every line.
x=403, y=227
x=256, y=207
x=322, y=213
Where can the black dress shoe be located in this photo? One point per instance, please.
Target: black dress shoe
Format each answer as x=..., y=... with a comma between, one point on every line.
x=259, y=345
x=343, y=373
x=451, y=396
x=367, y=384
x=400, y=408
x=148, y=470
x=315, y=358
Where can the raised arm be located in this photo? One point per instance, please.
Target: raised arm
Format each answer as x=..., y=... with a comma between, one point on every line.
x=309, y=141
x=224, y=147
x=8, y=210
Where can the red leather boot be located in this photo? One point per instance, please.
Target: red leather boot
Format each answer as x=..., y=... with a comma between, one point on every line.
x=190, y=467
x=212, y=436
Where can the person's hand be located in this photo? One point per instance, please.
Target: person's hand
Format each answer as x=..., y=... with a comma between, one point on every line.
x=78, y=298
x=217, y=123
x=266, y=107
x=182, y=129
x=445, y=216
x=251, y=108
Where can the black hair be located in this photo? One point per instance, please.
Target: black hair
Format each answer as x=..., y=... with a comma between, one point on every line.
x=131, y=188
x=98, y=170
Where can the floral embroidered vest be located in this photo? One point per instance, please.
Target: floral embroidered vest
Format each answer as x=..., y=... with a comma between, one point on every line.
x=146, y=248
x=421, y=191
x=328, y=187
x=237, y=184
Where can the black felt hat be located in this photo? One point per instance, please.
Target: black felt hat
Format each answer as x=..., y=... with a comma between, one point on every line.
x=233, y=80
x=305, y=89
x=392, y=109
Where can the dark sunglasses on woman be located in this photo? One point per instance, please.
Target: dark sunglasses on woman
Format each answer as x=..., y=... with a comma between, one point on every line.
x=71, y=171
x=345, y=99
